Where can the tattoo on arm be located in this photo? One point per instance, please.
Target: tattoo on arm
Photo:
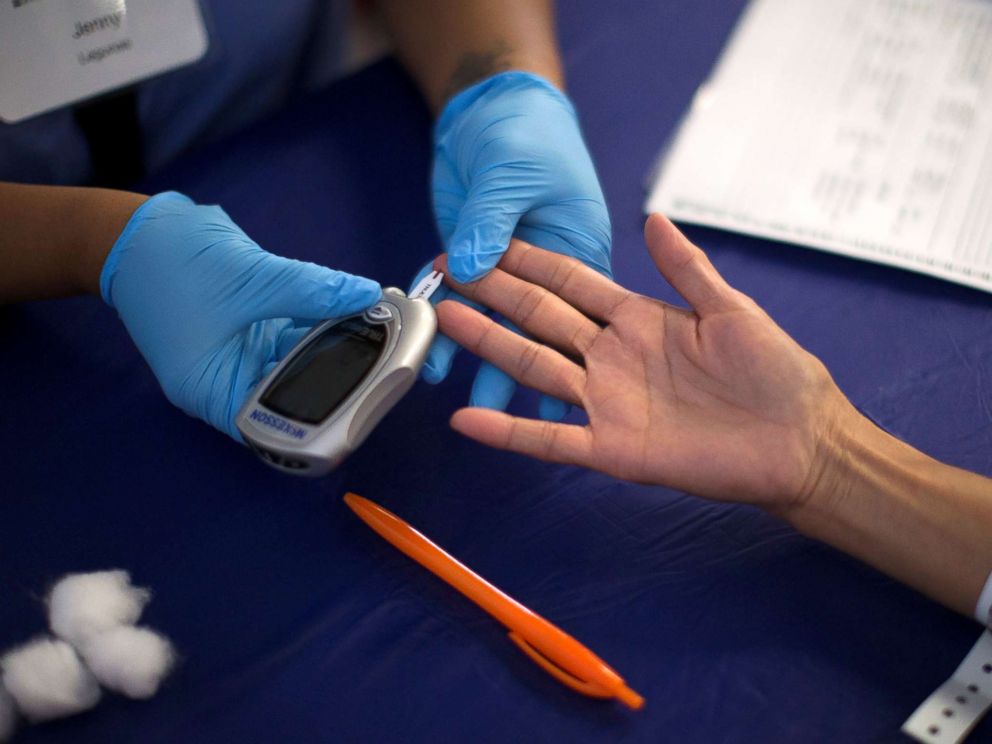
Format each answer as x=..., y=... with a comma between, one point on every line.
x=474, y=66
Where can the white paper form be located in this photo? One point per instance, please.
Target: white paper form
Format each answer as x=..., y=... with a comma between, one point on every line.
x=862, y=127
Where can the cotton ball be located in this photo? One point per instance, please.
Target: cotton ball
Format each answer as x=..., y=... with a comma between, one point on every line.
x=48, y=680
x=82, y=605
x=130, y=660
x=8, y=714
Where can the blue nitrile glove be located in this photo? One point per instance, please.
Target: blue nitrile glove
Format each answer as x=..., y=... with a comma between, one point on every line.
x=509, y=160
x=211, y=312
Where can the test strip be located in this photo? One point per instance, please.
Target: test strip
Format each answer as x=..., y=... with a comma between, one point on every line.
x=427, y=286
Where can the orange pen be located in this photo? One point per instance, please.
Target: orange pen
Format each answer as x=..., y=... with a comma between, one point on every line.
x=556, y=652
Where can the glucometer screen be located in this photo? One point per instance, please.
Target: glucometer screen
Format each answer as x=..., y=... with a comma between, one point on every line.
x=326, y=371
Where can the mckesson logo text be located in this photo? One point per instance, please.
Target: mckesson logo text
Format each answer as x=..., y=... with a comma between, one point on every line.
x=274, y=422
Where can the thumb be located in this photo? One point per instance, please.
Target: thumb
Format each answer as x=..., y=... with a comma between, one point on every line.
x=284, y=288
x=481, y=237
x=687, y=268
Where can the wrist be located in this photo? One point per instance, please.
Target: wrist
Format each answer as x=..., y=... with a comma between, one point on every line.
x=844, y=444
x=881, y=500
x=493, y=87
x=125, y=238
x=476, y=67
x=102, y=217
x=854, y=459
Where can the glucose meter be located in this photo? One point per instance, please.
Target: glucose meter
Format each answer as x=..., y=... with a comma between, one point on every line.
x=321, y=402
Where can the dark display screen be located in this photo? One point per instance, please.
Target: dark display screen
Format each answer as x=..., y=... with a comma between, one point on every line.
x=326, y=371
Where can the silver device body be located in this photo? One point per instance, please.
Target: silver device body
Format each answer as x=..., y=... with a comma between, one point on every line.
x=314, y=449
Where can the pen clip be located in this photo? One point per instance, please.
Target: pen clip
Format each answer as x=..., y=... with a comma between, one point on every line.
x=566, y=678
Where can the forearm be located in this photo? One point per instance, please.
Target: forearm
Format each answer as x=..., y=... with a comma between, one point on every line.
x=448, y=45
x=54, y=240
x=920, y=521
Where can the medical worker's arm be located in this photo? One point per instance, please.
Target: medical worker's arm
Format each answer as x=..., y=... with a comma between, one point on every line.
x=718, y=401
x=509, y=156
x=54, y=240
x=449, y=45
x=210, y=310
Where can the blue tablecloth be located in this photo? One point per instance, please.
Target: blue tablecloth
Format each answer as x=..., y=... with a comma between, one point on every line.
x=296, y=623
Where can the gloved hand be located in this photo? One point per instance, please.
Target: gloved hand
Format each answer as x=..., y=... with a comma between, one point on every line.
x=211, y=312
x=509, y=160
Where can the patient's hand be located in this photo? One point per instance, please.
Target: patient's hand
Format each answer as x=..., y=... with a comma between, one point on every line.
x=718, y=401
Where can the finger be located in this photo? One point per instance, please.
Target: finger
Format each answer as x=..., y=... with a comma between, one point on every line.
x=580, y=286
x=288, y=340
x=492, y=388
x=442, y=350
x=284, y=288
x=238, y=367
x=485, y=226
x=447, y=195
x=443, y=292
x=687, y=268
x=552, y=409
x=440, y=356
x=539, y=312
x=267, y=369
x=563, y=443
x=524, y=360
x=277, y=338
x=579, y=228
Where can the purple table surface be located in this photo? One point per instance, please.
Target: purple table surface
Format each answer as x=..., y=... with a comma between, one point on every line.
x=296, y=623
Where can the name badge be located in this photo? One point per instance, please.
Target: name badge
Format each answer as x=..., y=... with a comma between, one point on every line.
x=54, y=53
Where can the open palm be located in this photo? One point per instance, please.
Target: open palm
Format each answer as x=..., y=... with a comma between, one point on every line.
x=717, y=401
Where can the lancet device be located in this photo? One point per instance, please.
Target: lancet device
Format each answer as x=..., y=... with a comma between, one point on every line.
x=322, y=401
